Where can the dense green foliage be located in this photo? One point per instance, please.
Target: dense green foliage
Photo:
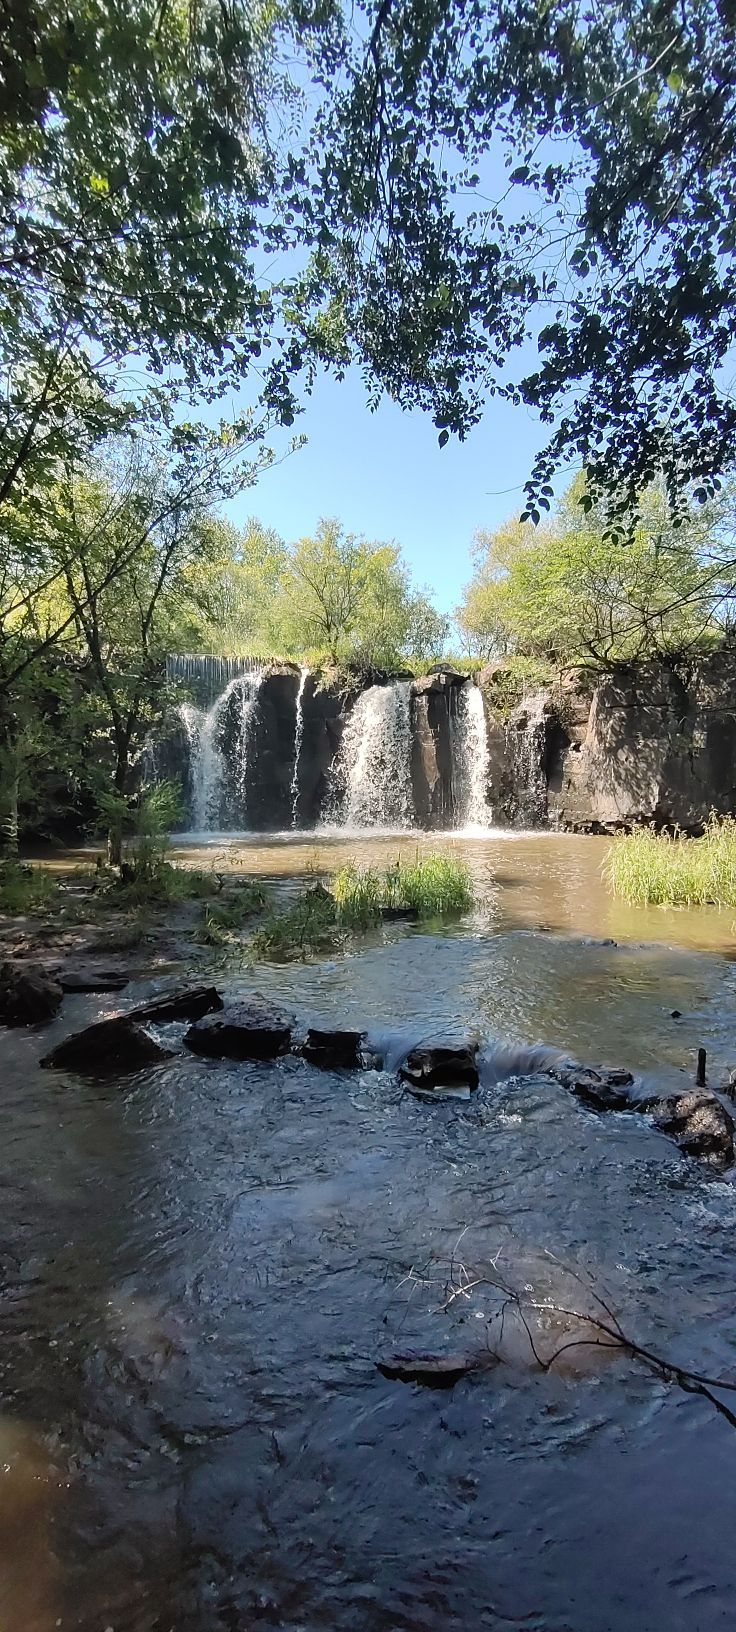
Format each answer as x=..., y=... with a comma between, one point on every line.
x=432, y=886
x=540, y=201
x=662, y=870
x=334, y=595
x=568, y=593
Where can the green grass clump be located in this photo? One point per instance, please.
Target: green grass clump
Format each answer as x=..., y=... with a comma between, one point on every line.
x=225, y=915
x=25, y=889
x=358, y=893
x=433, y=886
x=659, y=869
x=308, y=926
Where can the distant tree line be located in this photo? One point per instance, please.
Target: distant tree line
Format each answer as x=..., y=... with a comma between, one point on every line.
x=569, y=592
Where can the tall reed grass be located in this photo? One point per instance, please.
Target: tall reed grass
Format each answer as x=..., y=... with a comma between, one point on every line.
x=432, y=886
x=664, y=870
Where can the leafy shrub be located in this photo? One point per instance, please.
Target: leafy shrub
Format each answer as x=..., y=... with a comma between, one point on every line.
x=658, y=869
x=513, y=679
x=308, y=926
x=433, y=886
x=224, y=917
x=25, y=889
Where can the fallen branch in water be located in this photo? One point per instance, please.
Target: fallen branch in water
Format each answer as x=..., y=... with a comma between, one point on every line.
x=597, y=1328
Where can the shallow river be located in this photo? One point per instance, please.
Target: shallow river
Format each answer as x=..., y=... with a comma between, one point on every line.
x=201, y=1265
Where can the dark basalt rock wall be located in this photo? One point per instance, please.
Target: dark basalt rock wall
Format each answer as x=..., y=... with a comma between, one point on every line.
x=648, y=745
x=326, y=703
x=651, y=745
x=433, y=717
x=271, y=750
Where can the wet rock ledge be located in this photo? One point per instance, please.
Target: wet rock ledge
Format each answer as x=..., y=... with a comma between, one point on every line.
x=254, y=1029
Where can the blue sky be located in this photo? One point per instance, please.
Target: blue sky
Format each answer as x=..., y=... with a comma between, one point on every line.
x=383, y=475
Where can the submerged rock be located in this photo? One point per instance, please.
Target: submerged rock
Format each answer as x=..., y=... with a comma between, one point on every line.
x=107, y=1048
x=602, y=1088
x=191, y=1003
x=29, y=996
x=431, y=1068
x=246, y=1031
x=333, y=1050
x=88, y=978
x=700, y=1124
x=433, y=1370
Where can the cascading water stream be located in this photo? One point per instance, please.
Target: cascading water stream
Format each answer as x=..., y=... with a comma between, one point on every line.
x=472, y=760
x=205, y=730
x=373, y=771
x=298, y=736
x=526, y=736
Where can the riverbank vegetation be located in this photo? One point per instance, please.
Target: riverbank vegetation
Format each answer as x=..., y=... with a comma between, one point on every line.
x=428, y=887
x=568, y=592
x=672, y=870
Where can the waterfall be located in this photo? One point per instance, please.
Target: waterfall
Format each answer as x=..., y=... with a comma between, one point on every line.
x=526, y=742
x=298, y=735
x=373, y=770
x=206, y=676
x=471, y=760
x=206, y=733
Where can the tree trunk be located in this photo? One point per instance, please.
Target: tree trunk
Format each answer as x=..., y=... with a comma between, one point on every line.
x=115, y=829
x=10, y=763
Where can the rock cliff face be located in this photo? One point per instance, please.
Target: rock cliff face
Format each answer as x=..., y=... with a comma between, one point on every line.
x=652, y=745
x=433, y=715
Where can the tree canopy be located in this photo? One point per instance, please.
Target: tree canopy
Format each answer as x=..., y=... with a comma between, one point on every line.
x=568, y=593
x=540, y=202
x=333, y=596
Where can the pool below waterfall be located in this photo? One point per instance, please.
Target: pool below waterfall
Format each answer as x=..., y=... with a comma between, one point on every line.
x=202, y=1265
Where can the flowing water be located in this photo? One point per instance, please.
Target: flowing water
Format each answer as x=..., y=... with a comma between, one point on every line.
x=472, y=758
x=298, y=738
x=201, y=1265
x=208, y=764
x=373, y=770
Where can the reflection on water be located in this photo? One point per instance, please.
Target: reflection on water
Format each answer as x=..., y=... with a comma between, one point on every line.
x=548, y=881
x=201, y=1266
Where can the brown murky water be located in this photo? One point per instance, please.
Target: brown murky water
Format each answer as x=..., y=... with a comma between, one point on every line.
x=201, y=1264
x=547, y=881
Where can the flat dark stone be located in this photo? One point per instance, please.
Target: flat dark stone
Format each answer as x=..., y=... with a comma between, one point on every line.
x=432, y=1370
x=400, y=914
x=441, y=1067
x=190, y=1003
x=110, y=1047
x=246, y=1031
x=332, y=1050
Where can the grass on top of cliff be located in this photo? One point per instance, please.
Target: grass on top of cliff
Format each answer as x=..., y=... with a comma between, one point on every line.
x=658, y=869
x=430, y=886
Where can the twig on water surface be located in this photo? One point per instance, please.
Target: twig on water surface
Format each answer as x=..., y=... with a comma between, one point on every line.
x=604, y=1329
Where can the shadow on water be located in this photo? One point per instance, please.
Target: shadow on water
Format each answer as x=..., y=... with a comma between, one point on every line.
x=201, y=1266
